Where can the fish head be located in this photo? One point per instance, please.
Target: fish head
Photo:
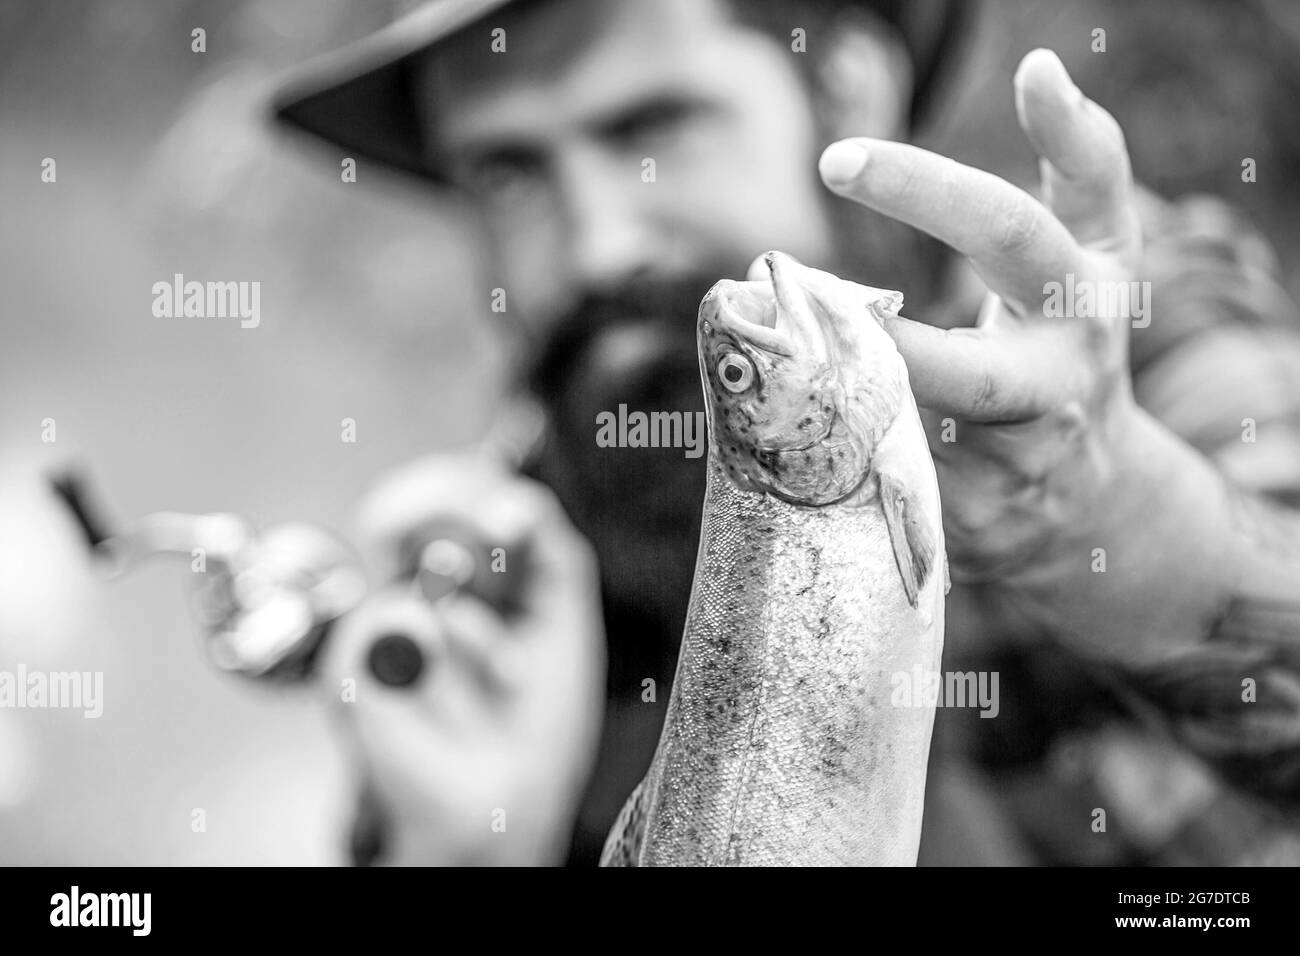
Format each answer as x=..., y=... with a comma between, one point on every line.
x=800, y=380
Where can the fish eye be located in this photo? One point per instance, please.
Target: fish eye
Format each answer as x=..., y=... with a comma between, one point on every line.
x=736, y=372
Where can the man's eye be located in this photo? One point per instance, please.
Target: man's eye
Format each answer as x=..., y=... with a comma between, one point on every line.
x=504, y=180
x=653, y=124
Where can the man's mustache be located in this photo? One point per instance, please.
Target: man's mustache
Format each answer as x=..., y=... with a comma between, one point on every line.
x=568, y=353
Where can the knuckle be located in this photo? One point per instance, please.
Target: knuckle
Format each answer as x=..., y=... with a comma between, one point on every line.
x=911, y=183
x=536, y=495
x=539, y=504
x=1020, y=228
x=972, y=527
x=987, y=392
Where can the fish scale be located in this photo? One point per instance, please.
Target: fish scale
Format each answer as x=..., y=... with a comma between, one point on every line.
x=780, y=745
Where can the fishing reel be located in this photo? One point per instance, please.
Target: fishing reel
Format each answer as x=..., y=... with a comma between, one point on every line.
x=267, y=602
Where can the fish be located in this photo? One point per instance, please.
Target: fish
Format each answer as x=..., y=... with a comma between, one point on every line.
x=819, y=585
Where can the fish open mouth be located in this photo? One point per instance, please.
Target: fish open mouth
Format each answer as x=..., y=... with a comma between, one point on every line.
x=747, y=310
x=788, y=313
x=741, y=301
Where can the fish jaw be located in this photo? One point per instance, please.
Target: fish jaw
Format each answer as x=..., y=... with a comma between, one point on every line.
x=829, y=315
x=797, y=312
x=745, y=310
x=800, y=311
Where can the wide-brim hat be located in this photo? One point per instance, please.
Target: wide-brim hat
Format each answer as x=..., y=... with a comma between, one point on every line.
x=360, y=98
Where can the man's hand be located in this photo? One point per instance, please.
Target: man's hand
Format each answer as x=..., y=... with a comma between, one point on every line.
x=1057, y=489
x=484, y=758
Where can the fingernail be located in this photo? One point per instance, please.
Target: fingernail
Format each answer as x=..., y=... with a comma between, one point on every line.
x=1048, y=61
x=842, y=162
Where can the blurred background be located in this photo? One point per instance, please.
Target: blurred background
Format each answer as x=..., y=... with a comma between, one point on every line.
x=370, y=311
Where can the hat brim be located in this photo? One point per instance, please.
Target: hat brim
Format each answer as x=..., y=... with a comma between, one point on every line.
x=359, y=98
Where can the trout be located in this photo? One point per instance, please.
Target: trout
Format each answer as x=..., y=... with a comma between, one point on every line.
x=819, y=585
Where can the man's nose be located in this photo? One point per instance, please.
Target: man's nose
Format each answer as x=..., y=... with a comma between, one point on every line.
x=610, y=237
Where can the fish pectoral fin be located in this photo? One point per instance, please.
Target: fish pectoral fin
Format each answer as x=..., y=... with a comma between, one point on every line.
x=623, y=845
x=913, y=538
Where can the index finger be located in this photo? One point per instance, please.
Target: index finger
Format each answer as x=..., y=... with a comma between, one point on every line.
x=1014, y=242
x=966, y=372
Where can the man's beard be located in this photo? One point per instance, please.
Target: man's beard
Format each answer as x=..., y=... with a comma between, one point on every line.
x=640, y=507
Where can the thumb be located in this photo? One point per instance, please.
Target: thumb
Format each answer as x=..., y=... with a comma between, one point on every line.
x=963, y=372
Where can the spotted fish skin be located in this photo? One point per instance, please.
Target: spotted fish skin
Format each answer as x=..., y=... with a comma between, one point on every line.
x=820, y=579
